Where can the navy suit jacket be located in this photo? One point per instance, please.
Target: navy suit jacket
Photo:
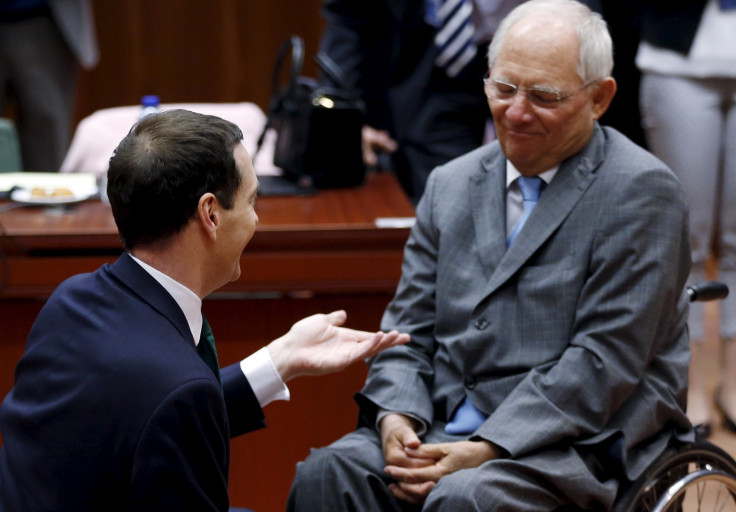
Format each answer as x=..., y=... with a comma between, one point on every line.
x=113, y=409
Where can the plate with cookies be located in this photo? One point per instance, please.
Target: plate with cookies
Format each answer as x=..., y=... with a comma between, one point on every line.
x=48, y=188
x=48, y=195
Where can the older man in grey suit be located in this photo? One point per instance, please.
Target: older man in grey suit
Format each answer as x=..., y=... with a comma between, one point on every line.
x=548, y=363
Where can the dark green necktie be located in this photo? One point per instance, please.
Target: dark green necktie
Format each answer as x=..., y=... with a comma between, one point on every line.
x=206, y=348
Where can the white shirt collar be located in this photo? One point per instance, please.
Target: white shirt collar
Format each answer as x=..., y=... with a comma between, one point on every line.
x=187, y=300
x=512, y=173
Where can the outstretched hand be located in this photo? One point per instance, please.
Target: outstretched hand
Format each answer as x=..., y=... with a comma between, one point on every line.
x=317, y=345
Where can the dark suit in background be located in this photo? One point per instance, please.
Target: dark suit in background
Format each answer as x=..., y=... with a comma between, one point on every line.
x=386, y=50
x=117, y=346
x=42, y=45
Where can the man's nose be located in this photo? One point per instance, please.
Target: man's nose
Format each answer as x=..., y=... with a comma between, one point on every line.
x=519, y=106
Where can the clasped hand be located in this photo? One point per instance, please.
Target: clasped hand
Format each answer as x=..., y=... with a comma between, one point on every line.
x=417, y=467
x=317, y=345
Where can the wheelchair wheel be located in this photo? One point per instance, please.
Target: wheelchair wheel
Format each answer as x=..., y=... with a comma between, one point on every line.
x=693, y=477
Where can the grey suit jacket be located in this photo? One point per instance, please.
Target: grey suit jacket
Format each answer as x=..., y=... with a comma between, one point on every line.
x=576, y=334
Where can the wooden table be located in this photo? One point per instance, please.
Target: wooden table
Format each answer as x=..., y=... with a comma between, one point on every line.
x=326, y=242
x=309, y=254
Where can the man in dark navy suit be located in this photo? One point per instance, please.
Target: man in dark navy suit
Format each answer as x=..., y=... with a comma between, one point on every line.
x=118, y=402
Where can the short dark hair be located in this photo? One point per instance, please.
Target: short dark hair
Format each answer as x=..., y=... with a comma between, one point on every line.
x=163, y=166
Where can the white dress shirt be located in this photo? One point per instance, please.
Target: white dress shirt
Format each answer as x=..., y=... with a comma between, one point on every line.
x=258, y=368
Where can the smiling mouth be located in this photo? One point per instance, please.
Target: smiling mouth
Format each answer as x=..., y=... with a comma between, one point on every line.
x=521, y=134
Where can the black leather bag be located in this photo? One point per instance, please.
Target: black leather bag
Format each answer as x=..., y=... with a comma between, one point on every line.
x=318, y=128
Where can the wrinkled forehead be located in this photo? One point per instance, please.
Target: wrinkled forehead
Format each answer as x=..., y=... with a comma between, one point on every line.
x=537, y=49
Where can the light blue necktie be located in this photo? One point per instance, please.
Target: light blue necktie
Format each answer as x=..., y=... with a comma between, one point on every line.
x=466, y=419
x=454, y=38
x=530, y=190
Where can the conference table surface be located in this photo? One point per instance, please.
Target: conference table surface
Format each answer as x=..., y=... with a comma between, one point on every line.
x=335, y=239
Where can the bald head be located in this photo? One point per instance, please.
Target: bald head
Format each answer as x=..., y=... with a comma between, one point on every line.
x=542, y=20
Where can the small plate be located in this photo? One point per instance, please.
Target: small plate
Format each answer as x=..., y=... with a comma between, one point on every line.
x=23, y=195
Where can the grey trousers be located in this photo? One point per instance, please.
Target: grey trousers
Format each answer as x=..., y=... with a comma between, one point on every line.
x=690, y=124
x=348, y=476
x=41, y=72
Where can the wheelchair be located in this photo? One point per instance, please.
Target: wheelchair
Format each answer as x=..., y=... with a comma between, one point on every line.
x=688, y=477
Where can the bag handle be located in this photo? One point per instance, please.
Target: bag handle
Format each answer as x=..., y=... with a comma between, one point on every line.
x=295, y=46
x=330, y=68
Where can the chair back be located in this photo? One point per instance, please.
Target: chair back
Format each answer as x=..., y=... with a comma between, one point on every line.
x=10, y=159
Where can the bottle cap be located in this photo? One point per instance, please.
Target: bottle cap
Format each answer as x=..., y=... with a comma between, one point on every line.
x=150, y=100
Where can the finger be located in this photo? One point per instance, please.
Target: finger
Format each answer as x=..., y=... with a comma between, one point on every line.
x=337, y=317
x=373, y=343
x=416, y=492
x=409, y=439
x=388, y=144
x=372, y=349
x=414, y=475
x=400, y=494
x=419, y=454
x=401, y=460
x=383, y=343
x=369, y=157
x=427, y=450
x=394, y=338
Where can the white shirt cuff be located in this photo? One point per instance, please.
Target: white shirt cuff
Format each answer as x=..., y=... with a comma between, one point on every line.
x=263, y=378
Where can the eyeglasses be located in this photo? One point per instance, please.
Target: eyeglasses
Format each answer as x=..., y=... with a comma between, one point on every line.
x=543, y=97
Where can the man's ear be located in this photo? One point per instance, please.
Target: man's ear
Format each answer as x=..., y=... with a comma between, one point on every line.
x=208, y=214
x=603, y=95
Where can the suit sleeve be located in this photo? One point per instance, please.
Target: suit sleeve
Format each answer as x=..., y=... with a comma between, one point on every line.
x=182, y=457
x=400, y=378
x=357, y=39
x=243, y=410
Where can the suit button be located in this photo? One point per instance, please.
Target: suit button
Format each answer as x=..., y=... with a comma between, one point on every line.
x=481, y=324
x=470, y=382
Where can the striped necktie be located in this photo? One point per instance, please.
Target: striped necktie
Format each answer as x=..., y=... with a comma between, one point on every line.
x=454, y=37
x=206, y=349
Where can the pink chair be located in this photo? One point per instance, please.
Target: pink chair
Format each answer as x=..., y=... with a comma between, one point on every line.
x=98, y=134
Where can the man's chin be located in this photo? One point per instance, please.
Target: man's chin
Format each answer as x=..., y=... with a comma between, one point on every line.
x=236, y=274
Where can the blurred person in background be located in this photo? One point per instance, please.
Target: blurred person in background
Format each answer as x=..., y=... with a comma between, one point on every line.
x=688, y=101
x=42, y=45
x=423, y=106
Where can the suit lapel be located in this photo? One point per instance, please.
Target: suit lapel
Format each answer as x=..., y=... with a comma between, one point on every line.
x=488, y=207
x=555, y=204
x=140, y=282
